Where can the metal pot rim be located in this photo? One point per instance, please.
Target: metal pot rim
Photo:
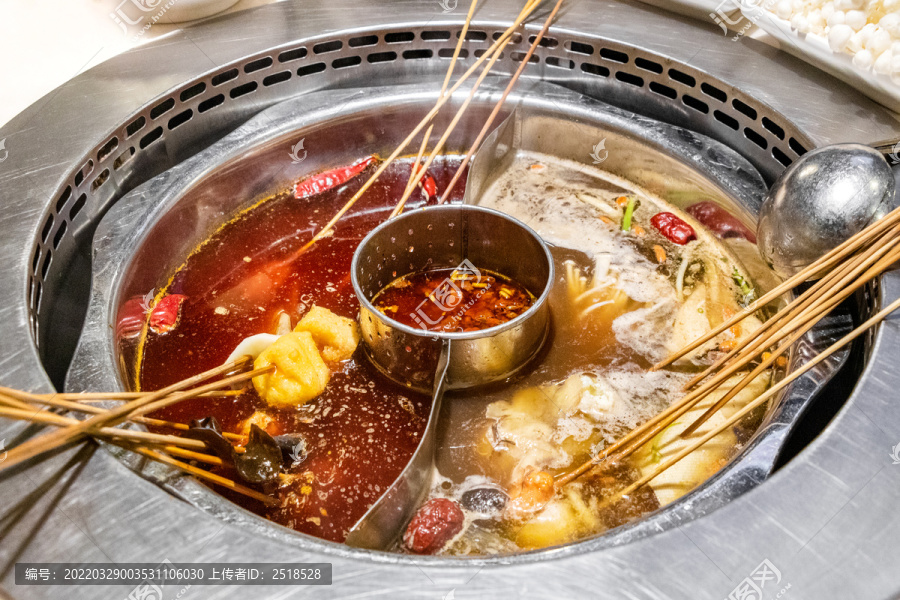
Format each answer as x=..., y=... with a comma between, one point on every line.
x=454, y=335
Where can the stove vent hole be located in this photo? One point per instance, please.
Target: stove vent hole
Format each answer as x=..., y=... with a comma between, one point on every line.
x=295, y=54
x=243, y=90
x=276, y=78
x=151, y=137
x=366, y=40
x=696, y=104
x=378, y=57
x=681, y=77
x=399, y=37
x=123, y=158
x=193, y=91
x=210, y=103
x=225, y=77
x=326, y=47
x=436, y=36
x=756, y=138
x=579, y=48
x=180, y=119
x=162, y=108
x=726, y=119
x=107, y=149
x=60, y=234
x=258, y=65
x=713, y=92
x=311, y=69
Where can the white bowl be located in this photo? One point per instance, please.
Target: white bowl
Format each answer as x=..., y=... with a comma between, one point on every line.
x=815, y=50
x=189, y=10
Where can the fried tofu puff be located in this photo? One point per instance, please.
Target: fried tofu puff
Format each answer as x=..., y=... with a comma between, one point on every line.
x=336, y=336
x=300, y=357
x=300, y=373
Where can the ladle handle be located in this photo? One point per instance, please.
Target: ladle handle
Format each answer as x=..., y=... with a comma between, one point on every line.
x=890, y=149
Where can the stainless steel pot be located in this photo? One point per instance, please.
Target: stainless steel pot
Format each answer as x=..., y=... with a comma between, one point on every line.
x=150, y=231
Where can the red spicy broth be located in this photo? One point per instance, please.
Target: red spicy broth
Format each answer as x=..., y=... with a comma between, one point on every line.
x=449, y=300
x=362, y=430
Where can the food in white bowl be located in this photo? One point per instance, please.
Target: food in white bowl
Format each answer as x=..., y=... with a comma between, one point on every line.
x=867, y=30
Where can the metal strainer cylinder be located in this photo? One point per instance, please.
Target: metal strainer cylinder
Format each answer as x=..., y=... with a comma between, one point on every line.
x=446, y=237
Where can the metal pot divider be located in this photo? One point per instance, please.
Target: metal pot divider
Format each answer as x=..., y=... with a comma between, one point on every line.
x=467, y=239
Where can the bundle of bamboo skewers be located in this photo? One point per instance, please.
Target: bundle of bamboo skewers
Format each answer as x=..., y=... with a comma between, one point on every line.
x=840, y=274
x=102, y=423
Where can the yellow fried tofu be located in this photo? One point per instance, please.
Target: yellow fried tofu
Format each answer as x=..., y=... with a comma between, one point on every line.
x=337, y=337
x=300, y=373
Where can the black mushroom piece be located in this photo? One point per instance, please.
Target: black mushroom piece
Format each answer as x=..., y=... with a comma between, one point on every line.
x=261, y=460
x=484, y=500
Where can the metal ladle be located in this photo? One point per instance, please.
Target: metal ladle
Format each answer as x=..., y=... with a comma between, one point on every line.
x=822, y=199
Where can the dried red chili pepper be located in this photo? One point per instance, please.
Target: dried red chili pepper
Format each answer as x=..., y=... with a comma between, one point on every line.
x=673, y=229
x=720, y=221
x=435, y=524
x=316, y=184
x=164, y=316
x=429, y=186
x=427, y=183
x=131, y=319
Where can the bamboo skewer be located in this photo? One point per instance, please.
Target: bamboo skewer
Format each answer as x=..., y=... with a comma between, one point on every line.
x=419, y=174
x=152, y=401
x=118, y=396
x=852, y=267
x=803, y=321
x=55, y=401
x=133, y=440
x=42, y=416
x=828, y=261
x=136, y=441
x=206, y=475
x=736, y=418
x=462, y=38
x=171, y=444
x=498, y=107
x=846, y=278
x=808, y=319
x=493, y=114
x=530, y=7
x=191, y=455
